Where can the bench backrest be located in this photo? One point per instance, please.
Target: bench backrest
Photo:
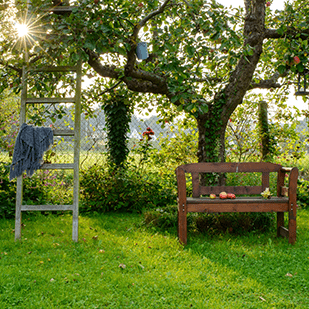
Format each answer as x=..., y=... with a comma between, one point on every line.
x=196, y=168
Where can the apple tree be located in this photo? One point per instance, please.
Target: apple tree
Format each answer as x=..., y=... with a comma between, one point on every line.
x=203, y=59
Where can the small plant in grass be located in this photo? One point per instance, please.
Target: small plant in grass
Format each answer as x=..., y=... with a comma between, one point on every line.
x=163, y=217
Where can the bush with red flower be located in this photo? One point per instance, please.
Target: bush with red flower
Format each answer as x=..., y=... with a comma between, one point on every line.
x=147, y=134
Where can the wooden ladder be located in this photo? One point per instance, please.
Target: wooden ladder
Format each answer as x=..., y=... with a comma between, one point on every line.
x=76, y=133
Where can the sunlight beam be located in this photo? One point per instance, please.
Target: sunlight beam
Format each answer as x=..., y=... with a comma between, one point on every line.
x=22, y=29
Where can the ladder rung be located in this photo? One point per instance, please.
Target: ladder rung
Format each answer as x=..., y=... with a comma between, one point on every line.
x=63, y=132
x=60, y=9
x=46, y=207
x=54, y=166
x=50, y=100
x=54, y=69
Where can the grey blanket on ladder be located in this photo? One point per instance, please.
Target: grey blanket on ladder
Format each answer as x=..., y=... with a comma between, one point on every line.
x=30, y=145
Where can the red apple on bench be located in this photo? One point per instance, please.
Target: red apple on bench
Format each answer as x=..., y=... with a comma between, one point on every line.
x=231, y=195
x=223, y=195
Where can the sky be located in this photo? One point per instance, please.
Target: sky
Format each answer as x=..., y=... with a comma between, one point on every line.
x=275, y=5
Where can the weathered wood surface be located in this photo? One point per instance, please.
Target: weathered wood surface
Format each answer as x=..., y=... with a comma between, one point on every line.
x=231, y=206
x=46, y=207
x=285, y=201
x=284, y=232
x=245, y=190
x=230, y=167
x=47, y=166
x=50, y=100
x=66, y=132
x=182, y=206
x=55, y=166
x=64, y=68
x=61, y=9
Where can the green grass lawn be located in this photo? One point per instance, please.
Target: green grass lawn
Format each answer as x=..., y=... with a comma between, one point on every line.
x=119, y=264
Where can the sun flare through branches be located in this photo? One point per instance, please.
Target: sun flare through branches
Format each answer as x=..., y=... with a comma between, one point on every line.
x=22, y=29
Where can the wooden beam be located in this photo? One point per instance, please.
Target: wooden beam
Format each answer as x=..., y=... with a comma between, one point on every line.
x=284, y=232
x=46, y=207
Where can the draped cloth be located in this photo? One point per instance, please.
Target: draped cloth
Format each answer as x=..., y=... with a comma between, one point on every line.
x=30, y=145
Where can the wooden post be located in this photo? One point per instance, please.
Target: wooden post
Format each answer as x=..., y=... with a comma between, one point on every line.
x=22, y=119
x=182, y=206
x=264, y=130
x=77, y=120
x=280, y=215
x=292, y=204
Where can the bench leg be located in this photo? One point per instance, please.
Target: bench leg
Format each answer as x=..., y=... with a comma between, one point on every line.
x=280, y=222
x=292, y=226
x=182, y=225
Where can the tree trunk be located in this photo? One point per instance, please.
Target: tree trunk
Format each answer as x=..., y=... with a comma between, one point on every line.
x=211, y=144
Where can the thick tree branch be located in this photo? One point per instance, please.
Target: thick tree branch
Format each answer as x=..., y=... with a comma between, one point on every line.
x=131, y=58
x=291, y=32
x=269, y=83
x=136, y=82
x=241, y=77
x=207, y=80
x=265, y=84
x=152, y=14
x=18, y=70
x=148, y=76
x=103, y=70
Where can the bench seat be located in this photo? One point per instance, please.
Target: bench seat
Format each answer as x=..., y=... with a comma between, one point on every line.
x=240, y=204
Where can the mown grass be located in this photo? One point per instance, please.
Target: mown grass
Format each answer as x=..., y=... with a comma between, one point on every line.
x=118, y=263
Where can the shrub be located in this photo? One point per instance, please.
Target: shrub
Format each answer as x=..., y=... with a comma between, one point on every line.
x=303, y=193
x=123, y=189
x=180, y=147
x=33, y=191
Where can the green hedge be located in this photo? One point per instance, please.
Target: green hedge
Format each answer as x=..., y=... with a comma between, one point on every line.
x=124, y=190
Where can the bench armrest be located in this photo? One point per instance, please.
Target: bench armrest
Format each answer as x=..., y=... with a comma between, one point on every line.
x=292, y=180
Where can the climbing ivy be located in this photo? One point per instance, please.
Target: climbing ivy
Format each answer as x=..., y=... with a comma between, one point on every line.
x=118, y=111
x=212, y=144
x=268, y=144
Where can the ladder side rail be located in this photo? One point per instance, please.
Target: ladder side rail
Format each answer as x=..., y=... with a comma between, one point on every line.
x=77, y=121
x=19, y=189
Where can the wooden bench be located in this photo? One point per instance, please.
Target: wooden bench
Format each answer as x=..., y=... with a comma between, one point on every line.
x=285, y=201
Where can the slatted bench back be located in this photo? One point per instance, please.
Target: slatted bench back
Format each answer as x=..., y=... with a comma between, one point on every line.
x=196, y=168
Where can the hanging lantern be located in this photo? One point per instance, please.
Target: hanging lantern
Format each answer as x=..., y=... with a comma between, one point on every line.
x=302, y=83
x=141, y=50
